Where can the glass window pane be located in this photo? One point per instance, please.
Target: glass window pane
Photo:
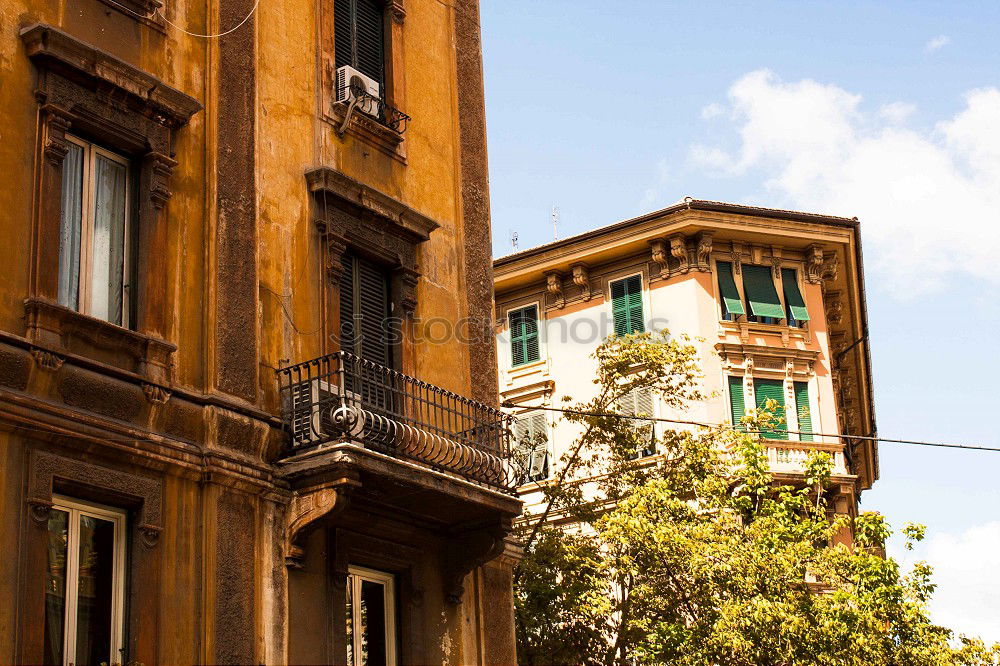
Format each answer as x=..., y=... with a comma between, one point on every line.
x=71, y=218
x=95, y=591
x=108, y=244
x=55, y=587
x=372, y=624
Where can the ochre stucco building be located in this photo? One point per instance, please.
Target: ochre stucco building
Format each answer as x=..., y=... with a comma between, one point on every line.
x=227, y=433
x=773, y=299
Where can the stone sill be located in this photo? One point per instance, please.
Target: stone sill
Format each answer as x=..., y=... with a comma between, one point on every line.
x=59, y=328
x=369, y=131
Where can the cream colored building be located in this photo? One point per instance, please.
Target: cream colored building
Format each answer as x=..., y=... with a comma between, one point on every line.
x=775, y=298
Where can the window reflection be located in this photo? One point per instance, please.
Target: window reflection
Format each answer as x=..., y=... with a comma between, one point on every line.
x=84, y=587
x=55, y=587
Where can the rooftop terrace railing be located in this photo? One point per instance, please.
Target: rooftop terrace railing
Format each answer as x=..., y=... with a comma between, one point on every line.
x=342, y=397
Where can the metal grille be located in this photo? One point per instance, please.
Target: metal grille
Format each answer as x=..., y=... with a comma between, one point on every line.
x=342, y=397
x=376, y=107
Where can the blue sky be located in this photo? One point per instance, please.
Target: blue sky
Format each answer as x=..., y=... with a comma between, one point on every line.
x=887, y=111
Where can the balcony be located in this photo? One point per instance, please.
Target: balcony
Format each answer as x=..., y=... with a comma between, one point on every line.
x=789, y=457
x=375, y=107
x=341, y=398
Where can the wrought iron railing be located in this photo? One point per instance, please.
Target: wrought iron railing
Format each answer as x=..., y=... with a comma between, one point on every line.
x=342, y=397
x=375, y=107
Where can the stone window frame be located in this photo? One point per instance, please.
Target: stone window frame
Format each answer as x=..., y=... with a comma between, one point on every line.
x=85, y=91
x=351, y=216
x=361, y=127
x=807, y=272
x=51, y=474
x=351, y=548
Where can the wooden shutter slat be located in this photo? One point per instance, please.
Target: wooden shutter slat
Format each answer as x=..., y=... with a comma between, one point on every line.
x=348, y=325
x=802, y=410
x=737, y=402
x=626, y=305
x=369, y=28
x=772, y=389
x=730, y=296
x=343, y=33
x=373, y=302
x=524, y=335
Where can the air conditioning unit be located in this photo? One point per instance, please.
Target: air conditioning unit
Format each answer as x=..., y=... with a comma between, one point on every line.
x=349, y=80
x=312, y=408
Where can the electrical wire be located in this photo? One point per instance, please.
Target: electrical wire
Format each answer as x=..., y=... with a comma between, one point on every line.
x=192, y=34
x=914, y=442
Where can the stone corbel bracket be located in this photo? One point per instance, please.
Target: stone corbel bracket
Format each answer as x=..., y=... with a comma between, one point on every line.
x=308, y=507
x=471, y=549
x=702, y=251
x=814, y=263
x=553, y=284
x=659, y=250
x=679, y=250
x=581, y=278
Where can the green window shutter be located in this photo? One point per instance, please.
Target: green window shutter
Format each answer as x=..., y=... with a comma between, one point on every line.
x=737, y=403
x=772, y=389
x=802, y=409
x=523, y=335
x=731, y=302
x=793, y=297
x=626, y=305
x=760, y=292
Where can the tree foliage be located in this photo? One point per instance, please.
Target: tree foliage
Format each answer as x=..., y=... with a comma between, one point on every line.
x=696, y=556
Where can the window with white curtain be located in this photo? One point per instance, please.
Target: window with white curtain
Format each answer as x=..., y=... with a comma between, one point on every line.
x=94, y=232
x=371, y=618
x=85, y=584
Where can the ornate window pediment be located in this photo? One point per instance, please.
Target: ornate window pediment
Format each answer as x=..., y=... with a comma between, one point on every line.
x=352, y=215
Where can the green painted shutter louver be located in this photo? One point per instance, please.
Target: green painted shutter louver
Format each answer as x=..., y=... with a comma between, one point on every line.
x=773, y=389
x=731, y=302
x=793, y=297
x=523, y=335
x=626, y=305
x=737, y=403
x=802, y=410
x=760, y=292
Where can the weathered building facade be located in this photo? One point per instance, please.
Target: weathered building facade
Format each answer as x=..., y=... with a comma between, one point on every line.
x=773, y=299
x=226, y=433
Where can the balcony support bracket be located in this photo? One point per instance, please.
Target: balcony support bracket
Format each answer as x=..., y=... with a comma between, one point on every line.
x=308, y=507
x=470, y=549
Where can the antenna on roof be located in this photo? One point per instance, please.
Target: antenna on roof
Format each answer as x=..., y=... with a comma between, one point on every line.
x=513, y=239
x=555, y=223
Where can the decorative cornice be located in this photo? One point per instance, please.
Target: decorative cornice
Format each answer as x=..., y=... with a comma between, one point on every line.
x=51, y=48
x=46, y=359
x=403, y=217
x=763, y=351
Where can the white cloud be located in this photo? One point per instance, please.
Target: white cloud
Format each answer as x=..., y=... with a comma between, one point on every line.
x=897, y=113
x=936, y=43
x=967, y=573
x=928, y=200
x=713, y=110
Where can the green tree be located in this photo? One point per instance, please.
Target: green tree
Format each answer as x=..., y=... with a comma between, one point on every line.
x=697, y=557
